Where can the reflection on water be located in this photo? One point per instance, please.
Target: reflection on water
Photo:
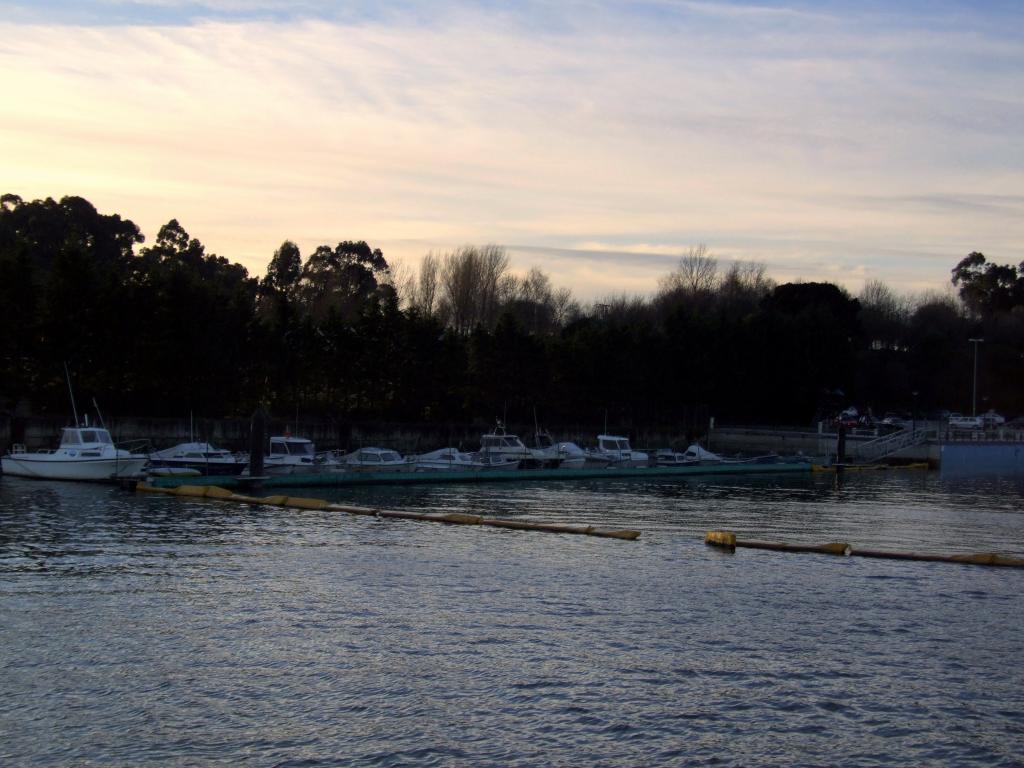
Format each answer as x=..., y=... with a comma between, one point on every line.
x=151, y=630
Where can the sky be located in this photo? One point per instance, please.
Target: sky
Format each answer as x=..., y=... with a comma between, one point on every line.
x=597, y=140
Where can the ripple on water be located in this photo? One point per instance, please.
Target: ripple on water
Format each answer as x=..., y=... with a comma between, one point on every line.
x=157, y=631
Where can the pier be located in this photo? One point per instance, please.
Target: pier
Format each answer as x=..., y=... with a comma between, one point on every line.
x=345, y=479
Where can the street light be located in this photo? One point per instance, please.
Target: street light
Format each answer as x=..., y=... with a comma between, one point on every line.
x=913, y=415
x=974, y=394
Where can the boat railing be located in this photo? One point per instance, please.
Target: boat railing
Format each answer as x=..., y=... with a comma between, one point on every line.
x=18, y=448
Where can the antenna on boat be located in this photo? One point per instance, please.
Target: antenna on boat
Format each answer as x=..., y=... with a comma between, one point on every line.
x=99, y=413
x=67, y=376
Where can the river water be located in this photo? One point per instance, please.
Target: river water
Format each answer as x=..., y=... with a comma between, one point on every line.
x=148, y=630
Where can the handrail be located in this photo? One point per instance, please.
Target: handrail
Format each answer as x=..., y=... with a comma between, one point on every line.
x=887, y=445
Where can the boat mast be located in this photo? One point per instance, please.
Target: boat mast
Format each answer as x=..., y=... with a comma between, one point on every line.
x=99, y=413
x=67, y=376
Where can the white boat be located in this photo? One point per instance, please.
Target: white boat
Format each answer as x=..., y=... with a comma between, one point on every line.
x=376, y=460
x=564, y=455
x=85, y=453
x=615, y=451
x=697, y=455
x=499, y=447
x=446, y=460
x=291, y=455
x=489, y=461
x=573, y=457
x=201, y=458
x=546, y=452
x=666, y=457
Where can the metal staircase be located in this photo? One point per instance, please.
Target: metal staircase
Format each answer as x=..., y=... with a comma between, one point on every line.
x=887, y=445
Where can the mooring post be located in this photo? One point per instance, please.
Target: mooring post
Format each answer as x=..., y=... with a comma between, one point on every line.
x=257, y=441
x=841, y=444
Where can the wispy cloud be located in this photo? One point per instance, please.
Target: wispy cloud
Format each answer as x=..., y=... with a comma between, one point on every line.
x=606, y=135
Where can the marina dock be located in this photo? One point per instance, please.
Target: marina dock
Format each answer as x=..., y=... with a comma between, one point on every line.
x=344, y=479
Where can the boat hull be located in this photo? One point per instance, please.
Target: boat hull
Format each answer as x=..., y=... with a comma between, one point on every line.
x=95, y=470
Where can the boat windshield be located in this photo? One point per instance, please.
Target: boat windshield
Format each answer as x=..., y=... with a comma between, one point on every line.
x=291, y=448
x=79, y=436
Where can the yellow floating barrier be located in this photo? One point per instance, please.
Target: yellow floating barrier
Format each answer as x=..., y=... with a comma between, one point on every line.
x=727, y=540
x=299, y=503
x=981, y=558
x=724, y=539
x=832, y=548
x=368, y=511
x=451, y=518
x=198, y=491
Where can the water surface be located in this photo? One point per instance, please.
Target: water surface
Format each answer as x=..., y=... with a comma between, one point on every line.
x=151, y=630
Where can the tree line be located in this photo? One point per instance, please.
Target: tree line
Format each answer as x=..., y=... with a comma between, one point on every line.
x=166, y=329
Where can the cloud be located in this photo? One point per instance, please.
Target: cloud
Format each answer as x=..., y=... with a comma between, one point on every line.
x=601, y=138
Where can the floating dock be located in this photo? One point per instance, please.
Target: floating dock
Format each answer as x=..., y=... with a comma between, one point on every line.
x=452, y=518
x=343, y=479
x=727, y=540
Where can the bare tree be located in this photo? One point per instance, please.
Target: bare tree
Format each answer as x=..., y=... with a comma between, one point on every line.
x=401, y=278
x=472, y=281
x=744, y=285
x=425, y=293
x=884, y=315
x=564, y=308
x=696, y=273
x=622, y=309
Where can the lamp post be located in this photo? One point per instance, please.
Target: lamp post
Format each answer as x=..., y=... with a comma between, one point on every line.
x=974, y=393
x=913, y=415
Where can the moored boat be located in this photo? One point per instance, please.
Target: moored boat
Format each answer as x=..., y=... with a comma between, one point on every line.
x=290, y=455
x=697, y=455
x=572, y=456
x=500, y=447
x=202, y=458
x=490, y=461
x=85, y=453
x=545, y=451
x=446, y=460
x=376, y=460
x=614, y=450
x=666, y=457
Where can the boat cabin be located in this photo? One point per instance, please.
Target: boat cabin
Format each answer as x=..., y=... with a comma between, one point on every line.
x=81, y=436
x=612, y=443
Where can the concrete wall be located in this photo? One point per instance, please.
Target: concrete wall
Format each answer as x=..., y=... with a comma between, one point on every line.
x=980, y=459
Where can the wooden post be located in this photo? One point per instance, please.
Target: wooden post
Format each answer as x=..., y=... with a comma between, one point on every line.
x=257, y=442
